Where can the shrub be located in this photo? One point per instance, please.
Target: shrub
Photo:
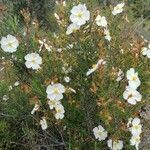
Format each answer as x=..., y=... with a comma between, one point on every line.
x=91, y=96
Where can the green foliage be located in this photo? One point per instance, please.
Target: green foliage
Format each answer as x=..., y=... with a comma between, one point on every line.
x=98, y=98
x=140, y=8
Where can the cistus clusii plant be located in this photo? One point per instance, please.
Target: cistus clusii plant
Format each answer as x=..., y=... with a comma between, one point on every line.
x=79, y=88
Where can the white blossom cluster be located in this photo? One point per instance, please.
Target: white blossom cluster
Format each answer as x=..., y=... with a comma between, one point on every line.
x=101, y=20
x=115, y=145
x=55, y=94
x=101, y=134
x=79, y=16
x=135, y=127
x=146, y=51
x=95, y=67
x=131, y=94
x=43, y=123
x=118, y=9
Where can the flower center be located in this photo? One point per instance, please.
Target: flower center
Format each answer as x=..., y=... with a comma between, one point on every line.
x=115, y=144
x=94, y=66
x=130, y=95
x=79, y=14
x=56, y=91
x=33, y=61
x=137, y=140
x=74, y=30
x=134, y=78
x=58, y=110
x=118, y=8
x=53, y=102
x=99, y=133
x=136, y=127
x=10, y=44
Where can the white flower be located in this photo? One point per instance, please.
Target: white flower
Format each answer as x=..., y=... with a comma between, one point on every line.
x=120, y=75
x=55, y=91
x=132, y=95
x=90, y=71
x=53, y=103
x=66, y=69
x=44, y=44
x=95, y=67
x=5, y=97
x=14, y=57
x=9, y=43
x=59, y=112
x=108, y=37
x=10, y=88
x=100, y=133
x=56, y=16
x=55, y=35
x=48, y=47
x=64, y=3
x=67, y=79
x=118, y=9
x=33, y=60
x=70, y=46
x=135, y=141
x=72, y=28
x=136, y=128
x=59, y=50
x=122, y=51
x=72, y=90
x=146, y=51
x=115, y=145
x=129, y=122
x=36, y=107
x=24, y=33
x=101, y=21
x=133, y=78
x=107, y=34
x=16, y=83
x=79, y=14
x=57, y=3
x=43, y=123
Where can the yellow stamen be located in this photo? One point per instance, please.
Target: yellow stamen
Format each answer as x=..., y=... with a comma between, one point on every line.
x=59, y=110
x=134, y=78
x=136, y=126
x=99, y=133
x=94, y=66
x=33, y=61
x=53, y=102
x=79, y=15
x=56, y=91
x=74, y=30
x=130, y=96
x=10, y=44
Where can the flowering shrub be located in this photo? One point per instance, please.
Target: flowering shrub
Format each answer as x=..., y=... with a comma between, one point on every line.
x=76, y=88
